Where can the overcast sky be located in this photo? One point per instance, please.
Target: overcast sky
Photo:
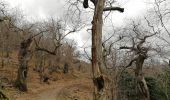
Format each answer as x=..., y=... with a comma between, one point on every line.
x=44, y=8
x=41, y=9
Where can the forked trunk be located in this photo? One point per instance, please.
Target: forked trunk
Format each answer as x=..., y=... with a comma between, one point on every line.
x=142, y=87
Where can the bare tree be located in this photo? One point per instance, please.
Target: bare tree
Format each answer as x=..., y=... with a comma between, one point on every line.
x=141, y=54
x=3, y=18
x=159, y=17
x=162, y=13
x=100, y=81
x=52, y=42
x=4, y=27
x=110, y=61
x=24, y=55
x=56, y=33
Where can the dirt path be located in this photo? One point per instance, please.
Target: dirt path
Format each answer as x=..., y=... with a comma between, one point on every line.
x=50, y=94
x=70, y=89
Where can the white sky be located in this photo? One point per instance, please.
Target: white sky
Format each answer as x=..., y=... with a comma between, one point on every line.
x=43, y=8
x=40, y=9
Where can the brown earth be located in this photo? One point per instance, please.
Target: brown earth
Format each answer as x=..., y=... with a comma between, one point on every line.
x=65, y=89
x=76, y=85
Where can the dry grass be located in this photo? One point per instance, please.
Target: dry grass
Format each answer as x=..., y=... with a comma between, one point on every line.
x=76, y=85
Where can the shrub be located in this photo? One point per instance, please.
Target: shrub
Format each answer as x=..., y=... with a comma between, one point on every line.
x=128, y=90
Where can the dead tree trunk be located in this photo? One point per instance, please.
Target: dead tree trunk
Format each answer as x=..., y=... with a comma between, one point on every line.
x=23, y=58
x=141, y=82
x=141, y=52
x=142, y=88
x=65, y=70
x=98, y=67
x=97, y=61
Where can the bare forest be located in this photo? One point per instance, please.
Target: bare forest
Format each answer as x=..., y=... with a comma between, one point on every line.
x=85, y=50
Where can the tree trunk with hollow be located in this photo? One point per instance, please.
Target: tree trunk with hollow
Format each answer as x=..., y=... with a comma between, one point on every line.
x=23, y=58
x=100, y=85
x=142, y=87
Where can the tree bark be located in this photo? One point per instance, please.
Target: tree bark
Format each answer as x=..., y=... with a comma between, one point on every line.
x=23, y=58
x=141, y=83
x=100, y=92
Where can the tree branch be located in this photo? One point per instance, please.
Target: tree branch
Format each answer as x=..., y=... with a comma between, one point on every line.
x=38, y=48
x=131, y=62
x=39, y=33
x=131, y=48
x=88, y=57
x=110, y=46
x=114, y=8
x=45, y=50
